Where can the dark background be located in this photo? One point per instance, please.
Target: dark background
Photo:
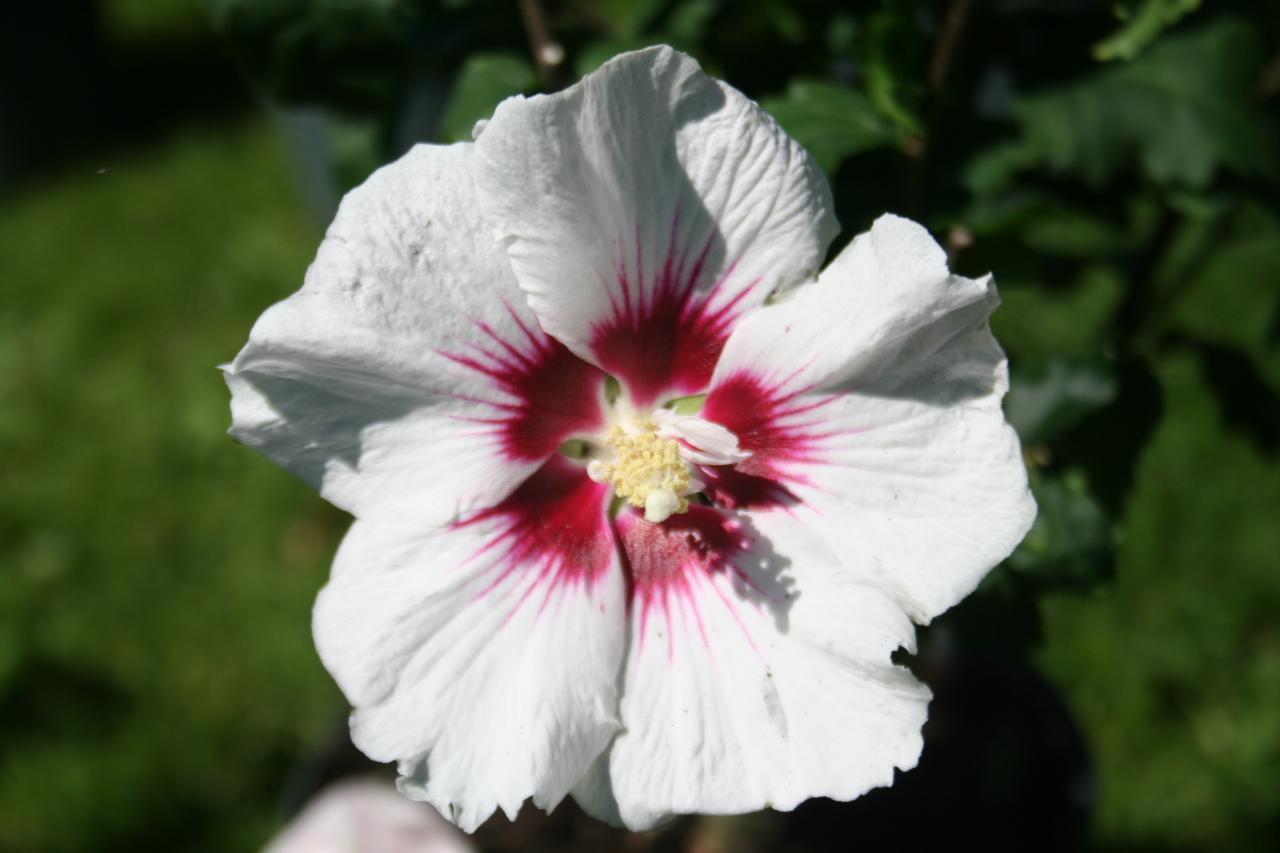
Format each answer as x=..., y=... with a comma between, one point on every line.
x=167, y=167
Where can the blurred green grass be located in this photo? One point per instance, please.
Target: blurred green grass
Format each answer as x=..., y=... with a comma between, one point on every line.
x=156, y=670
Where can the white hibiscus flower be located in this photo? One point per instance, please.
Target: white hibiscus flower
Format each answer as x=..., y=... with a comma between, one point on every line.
x=558, y=582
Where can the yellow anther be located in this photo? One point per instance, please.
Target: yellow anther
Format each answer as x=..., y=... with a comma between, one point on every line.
x=647, y=471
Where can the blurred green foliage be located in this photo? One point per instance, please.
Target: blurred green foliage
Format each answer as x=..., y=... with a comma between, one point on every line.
x=1143, y=23
x=1115, y=165
x=1184, y=111
x=484, y=80
x=834, y=122
x=156, y=671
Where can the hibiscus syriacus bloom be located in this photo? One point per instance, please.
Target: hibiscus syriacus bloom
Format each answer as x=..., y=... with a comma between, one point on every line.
x=635, y=520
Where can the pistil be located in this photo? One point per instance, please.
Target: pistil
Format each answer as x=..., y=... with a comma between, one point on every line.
x=647, y=470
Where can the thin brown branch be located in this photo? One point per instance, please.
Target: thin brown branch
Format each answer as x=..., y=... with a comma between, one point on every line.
x=1269, y=79
x=944, y=51
x=548, y=54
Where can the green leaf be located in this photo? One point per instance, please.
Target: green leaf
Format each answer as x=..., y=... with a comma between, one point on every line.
x=339, y=52
x=1142, y=27
x=1200, y=206
x=628, y=17
x=1048, y=399
x=996, y=167
x=832, y=122
x=1183, y=111
x=787, y=24
x=1071, y=542
x=356, y=148
x=1071, y=234
x=1080, y=232
x=484, y=81
x=891, y=62
x=687, y=23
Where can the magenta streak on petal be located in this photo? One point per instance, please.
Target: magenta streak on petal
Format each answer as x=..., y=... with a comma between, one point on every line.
x=772, y=425
x=552, y=533
x=552, y=394
x=662, y=335
x=668, y=563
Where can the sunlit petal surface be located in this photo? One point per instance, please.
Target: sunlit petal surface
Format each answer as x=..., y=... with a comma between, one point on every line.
x=644, y=503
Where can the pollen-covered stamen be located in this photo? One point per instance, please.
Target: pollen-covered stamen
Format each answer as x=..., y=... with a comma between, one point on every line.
x=647, y=471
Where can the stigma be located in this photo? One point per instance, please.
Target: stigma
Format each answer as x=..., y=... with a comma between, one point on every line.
x=647, y=470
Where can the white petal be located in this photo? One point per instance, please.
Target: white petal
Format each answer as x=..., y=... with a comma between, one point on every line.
x=887, y=284
x=594, y=793
x=407, y=380
x=646, y=209
x=364, y=814
x=889, y=439
x=483, y=657
x=758, y=675
x=702, y=442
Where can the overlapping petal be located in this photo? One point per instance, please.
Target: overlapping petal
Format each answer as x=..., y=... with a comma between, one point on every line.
x=483, y=657
x=407, y=380
x=871, y=404
x=758, y=673
x=646, y=209
x=498, y=635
